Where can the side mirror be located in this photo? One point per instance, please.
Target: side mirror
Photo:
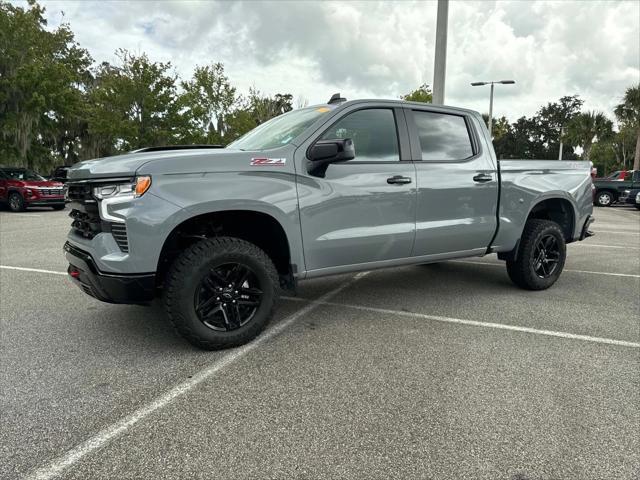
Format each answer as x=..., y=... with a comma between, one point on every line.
x=329, y=151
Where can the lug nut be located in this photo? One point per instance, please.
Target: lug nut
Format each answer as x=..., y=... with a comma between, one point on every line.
x=218, y=298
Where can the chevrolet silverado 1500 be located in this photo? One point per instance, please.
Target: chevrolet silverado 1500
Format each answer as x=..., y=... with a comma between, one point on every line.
x=340, y=187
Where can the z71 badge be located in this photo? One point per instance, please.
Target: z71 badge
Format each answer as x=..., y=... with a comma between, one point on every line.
x=268, y=162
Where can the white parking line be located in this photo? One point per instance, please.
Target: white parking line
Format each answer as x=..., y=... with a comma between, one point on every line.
x=583, y=244
x=37, y=270
x=23, y=215
x=500, y=326
x=617, y=232
x=471, y=262
x=58, y=465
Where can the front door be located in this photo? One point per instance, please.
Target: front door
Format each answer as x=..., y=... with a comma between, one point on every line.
x=361, y=210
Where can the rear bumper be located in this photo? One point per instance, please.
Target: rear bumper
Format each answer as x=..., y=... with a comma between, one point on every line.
x=111, y=288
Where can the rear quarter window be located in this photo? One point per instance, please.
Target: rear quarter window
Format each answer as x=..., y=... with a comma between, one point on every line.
x=442, y=136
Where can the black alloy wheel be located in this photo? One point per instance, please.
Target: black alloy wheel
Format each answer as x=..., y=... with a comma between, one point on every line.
x=221, y=292
x=546, y=257
x=228, y=297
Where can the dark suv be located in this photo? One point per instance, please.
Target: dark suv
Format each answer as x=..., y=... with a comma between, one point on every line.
x=21, y=188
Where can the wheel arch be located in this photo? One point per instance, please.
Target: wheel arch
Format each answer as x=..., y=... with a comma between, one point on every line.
x=558, y=209
x=255, y=226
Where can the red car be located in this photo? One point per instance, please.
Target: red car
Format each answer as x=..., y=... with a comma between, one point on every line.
x=21, y=188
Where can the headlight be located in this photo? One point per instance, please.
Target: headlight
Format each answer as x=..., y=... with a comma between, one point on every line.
x=135, y=189
x=109, y=195
x=627, y=192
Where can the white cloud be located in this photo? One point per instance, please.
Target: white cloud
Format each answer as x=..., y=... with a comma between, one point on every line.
x=314, y=49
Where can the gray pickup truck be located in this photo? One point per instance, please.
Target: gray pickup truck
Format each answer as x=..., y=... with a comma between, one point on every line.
x=329, y=189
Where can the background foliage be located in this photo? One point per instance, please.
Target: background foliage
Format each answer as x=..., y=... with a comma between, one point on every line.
x=57, y=106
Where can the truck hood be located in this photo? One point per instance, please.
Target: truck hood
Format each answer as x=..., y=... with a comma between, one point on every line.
x=171, y=162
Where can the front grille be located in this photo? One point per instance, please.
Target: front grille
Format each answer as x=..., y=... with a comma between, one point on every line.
x=86, y=217
x=50, y=191
x=119, y=232
x=84, y=210
x=80, y=192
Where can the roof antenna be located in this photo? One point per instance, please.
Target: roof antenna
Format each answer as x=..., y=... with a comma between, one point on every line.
x=336, y=98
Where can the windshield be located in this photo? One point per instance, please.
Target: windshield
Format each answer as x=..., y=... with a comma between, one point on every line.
x=21, y=174
x=280, y=130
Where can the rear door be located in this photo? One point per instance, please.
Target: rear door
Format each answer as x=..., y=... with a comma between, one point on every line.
x=457, y=183
x=361, y=210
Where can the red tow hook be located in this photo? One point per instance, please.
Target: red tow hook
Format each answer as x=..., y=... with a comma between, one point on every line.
x=73, y=272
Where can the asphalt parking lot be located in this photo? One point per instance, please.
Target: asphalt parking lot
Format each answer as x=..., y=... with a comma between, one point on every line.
x=443, y=371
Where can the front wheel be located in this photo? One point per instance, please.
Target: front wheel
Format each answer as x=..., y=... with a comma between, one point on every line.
x=540, y=257
x=604, y=199
x=16, y=202
x=221, y=292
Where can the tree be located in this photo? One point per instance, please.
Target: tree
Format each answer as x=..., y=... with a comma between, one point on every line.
x=585, y=128
x=628, y=113
x=207, y=100
x=264, y=108
x=132, y=105
x=41, y=78
x=421, y=94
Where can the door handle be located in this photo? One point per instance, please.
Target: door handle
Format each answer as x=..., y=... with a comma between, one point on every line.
x=398, y=180
x=483, y=178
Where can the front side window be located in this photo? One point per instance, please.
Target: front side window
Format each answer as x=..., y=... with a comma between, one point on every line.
x=373, y=132
x=442, y=136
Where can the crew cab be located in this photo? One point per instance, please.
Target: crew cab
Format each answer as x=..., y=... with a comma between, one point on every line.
x=341, y=187
x=21, y=188
x=609, y=189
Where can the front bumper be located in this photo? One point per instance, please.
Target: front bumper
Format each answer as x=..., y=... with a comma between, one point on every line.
x=107, y=287
x=44, y=201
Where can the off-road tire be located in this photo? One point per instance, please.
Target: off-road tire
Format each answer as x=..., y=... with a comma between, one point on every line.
x=16, y=202
x=185, y=275
x=601, y=198
x=521, y=270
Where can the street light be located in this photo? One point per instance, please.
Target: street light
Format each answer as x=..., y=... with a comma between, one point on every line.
x=478, y=84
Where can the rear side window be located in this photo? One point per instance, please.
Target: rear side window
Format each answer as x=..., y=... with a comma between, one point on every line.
x=373, y=132
x=442, y=136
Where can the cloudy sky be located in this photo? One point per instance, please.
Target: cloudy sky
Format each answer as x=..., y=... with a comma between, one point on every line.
x=381, y=50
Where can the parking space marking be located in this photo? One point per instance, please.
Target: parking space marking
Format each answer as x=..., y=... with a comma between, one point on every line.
x=617, y=232
x=474, y=323
x=37, y=270
x=25, y=215
x=58, y=465
x=471, y=262
x=603, y=246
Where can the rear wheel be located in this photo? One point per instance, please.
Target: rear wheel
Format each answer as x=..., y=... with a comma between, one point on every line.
x=540, y=257
x=16, y=202
x=604, y=199
x=221, y=292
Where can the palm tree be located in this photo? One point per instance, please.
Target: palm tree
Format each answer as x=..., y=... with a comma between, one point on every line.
x=585, y=128
x=628, y=113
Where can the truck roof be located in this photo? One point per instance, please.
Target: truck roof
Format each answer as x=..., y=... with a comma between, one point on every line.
x=399, y=103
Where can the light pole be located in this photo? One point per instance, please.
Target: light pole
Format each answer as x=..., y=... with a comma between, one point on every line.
x=440, y=60
x=478, y=84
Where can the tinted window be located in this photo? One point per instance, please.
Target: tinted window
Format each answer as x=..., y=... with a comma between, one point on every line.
x=373, y=132
x=442, y=136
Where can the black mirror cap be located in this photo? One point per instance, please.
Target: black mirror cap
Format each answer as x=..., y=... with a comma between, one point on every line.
x=334, y=150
